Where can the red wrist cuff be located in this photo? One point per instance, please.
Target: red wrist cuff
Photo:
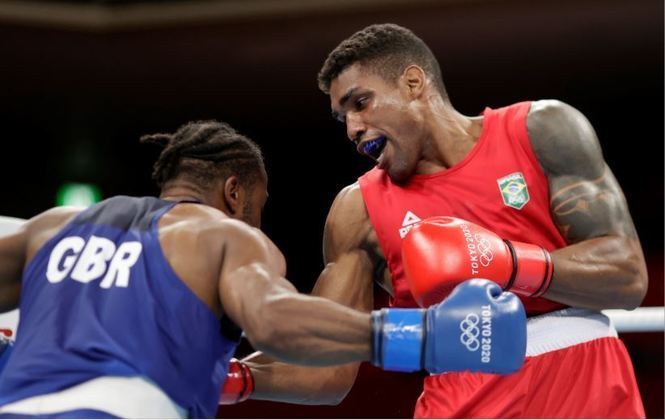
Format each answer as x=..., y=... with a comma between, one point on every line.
x=534, y=270
x=239, y=383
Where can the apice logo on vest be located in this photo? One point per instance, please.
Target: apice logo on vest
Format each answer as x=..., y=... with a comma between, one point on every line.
x=513, y=189
x=410, y=219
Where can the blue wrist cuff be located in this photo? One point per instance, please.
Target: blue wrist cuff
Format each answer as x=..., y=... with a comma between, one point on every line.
x=398, y=339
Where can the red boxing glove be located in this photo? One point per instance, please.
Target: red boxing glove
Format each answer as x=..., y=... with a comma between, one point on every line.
x=239, y=383
x=441, y=252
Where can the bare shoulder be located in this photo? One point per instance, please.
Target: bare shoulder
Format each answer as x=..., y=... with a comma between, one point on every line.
x=54, y=217
x=206, y=225
x=202, y=243
x=22, y=244
x=585, y=198
x=205, y=231
x=241, y=233
x=246, y=244
x=348, y=225
x=564, y=140
x=348, y=205
x=233, y=230
x=45, y=225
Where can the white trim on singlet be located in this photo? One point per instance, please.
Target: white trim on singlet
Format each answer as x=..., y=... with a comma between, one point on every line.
x=565, y=328
x=128, y=397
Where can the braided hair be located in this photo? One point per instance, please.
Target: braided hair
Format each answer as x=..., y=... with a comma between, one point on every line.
x=203, y=152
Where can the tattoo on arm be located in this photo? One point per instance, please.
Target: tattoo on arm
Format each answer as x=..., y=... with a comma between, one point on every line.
x=586, y=209
x=603, y=265
x=585, y=199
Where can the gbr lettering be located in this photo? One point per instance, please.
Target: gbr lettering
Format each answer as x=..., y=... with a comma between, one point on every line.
x=87, y=261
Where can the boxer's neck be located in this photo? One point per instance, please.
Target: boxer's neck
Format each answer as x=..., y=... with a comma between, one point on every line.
x=184, y=191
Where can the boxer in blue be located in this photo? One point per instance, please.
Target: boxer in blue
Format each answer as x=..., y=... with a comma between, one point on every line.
x=134, y=306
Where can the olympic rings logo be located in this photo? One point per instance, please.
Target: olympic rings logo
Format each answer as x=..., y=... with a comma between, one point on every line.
x=470, y=332
x=485, y=250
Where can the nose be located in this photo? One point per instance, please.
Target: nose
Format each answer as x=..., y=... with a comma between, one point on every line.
x=355, y=128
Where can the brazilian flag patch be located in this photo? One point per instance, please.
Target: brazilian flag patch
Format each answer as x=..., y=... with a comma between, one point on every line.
x=513, y=189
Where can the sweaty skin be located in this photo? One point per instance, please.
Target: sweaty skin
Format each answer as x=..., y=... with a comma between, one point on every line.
x=235, y=270
x=351, y=252
x=602, y=267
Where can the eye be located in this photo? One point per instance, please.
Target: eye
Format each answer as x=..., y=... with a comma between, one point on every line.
x=361, y=103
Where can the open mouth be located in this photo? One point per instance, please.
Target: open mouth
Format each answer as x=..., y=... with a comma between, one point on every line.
x=374, y=148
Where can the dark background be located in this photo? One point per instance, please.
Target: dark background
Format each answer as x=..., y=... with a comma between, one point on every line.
x=81, y=81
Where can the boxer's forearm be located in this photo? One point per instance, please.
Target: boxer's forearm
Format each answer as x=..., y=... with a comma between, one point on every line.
x=603, y=267
x=290, y=326
x=599, y=273
x=302, y=385
x=311, y=331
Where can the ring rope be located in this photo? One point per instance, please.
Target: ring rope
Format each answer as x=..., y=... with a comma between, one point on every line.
x=644, y=319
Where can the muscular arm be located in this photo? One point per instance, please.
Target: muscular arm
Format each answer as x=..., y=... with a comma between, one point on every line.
x=347, y=279
x=277, y=320
x=603, y=265
x=18, y=247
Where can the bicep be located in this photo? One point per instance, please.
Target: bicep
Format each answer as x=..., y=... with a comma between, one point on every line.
x=18, y=246
x=251, y=271
x=586, y=200
x=348, y=281
x=586, y=208
x=348, y=275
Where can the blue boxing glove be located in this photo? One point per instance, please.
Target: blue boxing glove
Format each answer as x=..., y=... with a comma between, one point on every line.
x=478, y=328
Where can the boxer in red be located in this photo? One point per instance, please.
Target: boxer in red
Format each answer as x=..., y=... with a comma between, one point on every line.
x=532, y=174
x=133, y=307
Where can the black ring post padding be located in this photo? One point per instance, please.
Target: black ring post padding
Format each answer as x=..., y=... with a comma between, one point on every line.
x=514, y=273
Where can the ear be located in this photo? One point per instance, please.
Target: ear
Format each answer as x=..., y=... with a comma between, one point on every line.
x=233, y=196
x=414, y=80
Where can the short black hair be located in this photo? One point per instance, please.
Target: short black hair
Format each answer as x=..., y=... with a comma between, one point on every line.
x=384, y=49
x=204, y=152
